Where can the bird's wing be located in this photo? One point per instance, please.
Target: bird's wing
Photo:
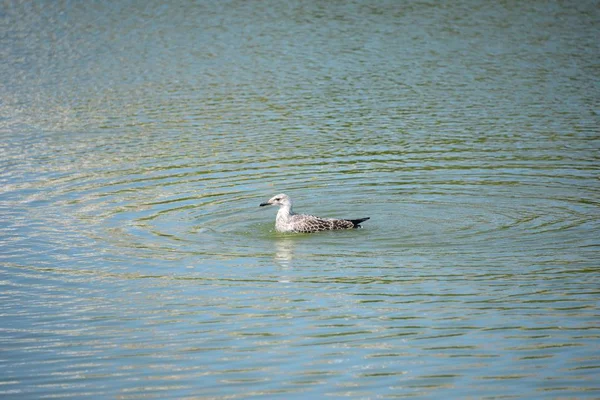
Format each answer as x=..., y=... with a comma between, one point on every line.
x=310, y=223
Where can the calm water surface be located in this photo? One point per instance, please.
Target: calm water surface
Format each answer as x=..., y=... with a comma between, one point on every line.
x=138, y=138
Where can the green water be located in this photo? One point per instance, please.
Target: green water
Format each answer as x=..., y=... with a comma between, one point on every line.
x=138, y=139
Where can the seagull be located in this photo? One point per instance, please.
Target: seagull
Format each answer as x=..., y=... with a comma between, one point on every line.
x=288, y=221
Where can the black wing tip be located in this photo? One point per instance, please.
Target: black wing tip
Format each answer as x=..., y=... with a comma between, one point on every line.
x=359, y=221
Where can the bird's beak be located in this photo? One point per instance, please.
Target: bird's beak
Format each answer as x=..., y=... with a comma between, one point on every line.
x=264, y=204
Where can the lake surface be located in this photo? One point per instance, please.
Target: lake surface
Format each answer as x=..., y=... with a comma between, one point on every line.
x=138, y=139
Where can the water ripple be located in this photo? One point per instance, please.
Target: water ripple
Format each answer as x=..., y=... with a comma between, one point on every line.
x=139, y=138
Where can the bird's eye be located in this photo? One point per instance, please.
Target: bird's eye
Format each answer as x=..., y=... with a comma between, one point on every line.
x=277, y=199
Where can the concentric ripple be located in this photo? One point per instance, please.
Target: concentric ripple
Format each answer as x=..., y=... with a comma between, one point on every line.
x=205, y=200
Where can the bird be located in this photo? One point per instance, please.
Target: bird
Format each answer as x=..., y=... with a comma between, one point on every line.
x=288, y=221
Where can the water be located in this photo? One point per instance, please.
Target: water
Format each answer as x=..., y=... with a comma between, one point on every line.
x=138, y=139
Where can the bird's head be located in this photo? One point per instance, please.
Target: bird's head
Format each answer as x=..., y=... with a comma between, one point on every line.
x=279, y=200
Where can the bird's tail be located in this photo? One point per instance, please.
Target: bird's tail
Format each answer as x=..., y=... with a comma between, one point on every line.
x=356, y=222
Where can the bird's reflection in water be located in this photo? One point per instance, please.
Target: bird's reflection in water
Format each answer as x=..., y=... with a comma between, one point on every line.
x=284, y=250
